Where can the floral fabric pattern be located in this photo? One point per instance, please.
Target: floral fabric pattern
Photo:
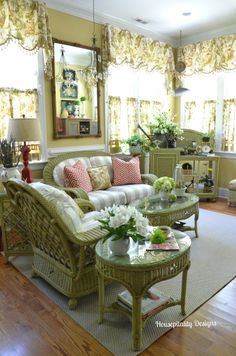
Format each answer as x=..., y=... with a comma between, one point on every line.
x=27, y=22
x=99, y=177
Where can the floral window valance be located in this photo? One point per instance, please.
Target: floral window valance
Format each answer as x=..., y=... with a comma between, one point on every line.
x=210, y=56
x=27, y=22
x=123, y=47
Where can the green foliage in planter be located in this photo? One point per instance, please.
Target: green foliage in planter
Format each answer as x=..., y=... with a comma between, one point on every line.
x=158, y=236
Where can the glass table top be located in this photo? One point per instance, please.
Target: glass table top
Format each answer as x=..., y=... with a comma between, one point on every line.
x=138, y=255
x=153, y=204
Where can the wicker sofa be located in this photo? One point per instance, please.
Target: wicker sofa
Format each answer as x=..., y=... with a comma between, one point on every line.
x=122, y=194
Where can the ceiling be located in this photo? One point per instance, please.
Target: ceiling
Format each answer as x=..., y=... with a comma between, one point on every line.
x=208, y=19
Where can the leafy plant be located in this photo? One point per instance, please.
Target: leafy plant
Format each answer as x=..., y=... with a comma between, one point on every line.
x=164, y=124
x=206, y=137
x=158, y=236
x=8, y=153
x=164, y=183
x=207, y=180
x=137, y=140
x=123, y=221
x=83, y=98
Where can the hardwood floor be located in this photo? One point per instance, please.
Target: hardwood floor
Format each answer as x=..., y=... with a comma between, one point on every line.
x=32, y=325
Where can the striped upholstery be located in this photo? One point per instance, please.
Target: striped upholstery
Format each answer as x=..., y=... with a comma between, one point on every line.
x=58, y=172
x=134, y=191
x=103, y=198
x=98, y=161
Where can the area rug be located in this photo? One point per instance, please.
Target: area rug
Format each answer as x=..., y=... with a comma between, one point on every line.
x=212, y=267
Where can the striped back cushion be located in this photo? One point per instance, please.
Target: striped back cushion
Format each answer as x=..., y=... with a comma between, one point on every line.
x=77, y=176
x=58, y=172
x=99, y=161
x=126, y=172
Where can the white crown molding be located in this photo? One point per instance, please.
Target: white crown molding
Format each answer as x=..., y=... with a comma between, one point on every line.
x=58, y=150
x=103, y=18
x=204, y=36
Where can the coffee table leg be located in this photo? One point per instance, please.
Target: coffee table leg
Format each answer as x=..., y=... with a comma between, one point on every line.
x=195, y=223
x=183, y=289
x=101, y=297
x=137, y=323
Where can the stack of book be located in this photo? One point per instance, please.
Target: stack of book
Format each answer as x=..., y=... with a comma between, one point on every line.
x=170, y=244
x=152, y=302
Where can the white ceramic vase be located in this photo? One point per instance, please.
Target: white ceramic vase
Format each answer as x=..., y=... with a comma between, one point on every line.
x=119, y=247
x=8, y=173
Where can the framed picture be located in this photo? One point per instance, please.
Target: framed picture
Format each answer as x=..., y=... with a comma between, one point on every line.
x=84, y=127
x=69, y=105
x=69, y=90
x=69, y=74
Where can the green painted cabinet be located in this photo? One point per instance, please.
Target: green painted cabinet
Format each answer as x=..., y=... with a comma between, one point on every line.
x=163, y=161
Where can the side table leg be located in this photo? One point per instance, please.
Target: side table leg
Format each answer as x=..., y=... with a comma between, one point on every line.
x=101, y=298
x=137, y=323
x=195, y=223
x=183, y=289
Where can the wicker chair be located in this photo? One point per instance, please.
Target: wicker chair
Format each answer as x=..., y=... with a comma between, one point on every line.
x=66, y=260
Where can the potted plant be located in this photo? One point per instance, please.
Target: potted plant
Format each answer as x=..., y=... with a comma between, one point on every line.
x=206, y=137
x=208, y=183
x=164, y=186
x=165, y=130
x=138, y=144
x=122, y=223
x=10, y=158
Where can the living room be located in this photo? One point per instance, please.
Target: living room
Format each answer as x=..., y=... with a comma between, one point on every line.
x=71, y=25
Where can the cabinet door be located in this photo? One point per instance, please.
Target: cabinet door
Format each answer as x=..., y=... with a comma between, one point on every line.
x=163, y=161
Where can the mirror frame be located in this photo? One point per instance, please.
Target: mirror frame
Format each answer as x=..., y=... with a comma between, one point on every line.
x=54, y=104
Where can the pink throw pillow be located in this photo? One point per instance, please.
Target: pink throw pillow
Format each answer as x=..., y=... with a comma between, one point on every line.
x=126, y=172
x=76, y=176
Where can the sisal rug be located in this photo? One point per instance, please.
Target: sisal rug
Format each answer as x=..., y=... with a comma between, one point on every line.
x=212, y=267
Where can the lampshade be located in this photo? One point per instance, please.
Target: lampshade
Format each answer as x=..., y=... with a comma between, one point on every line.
x=23, y=129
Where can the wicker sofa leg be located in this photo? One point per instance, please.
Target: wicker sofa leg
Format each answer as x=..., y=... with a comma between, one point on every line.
x=73, y=302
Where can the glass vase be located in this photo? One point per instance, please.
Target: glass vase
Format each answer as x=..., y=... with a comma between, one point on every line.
x=164, y=195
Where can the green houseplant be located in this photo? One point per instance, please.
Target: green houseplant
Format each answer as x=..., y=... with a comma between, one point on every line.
x=10, y=157
x=139, y=144
x=164, y=125
x=208, y=183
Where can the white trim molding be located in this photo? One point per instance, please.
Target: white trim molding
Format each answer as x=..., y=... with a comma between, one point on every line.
x=59, y=150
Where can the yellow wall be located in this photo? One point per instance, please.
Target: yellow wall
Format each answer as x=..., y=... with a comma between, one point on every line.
x=227, y=171
x=76, y=30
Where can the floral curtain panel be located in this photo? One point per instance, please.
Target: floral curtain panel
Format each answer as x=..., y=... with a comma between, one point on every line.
x=190, y=113
x=229, y=125
x=115, y=122
x=123, y=47
x=132, y=115
x=210, y=56
x=14, y=102
x=209, y=114
x=27, y=22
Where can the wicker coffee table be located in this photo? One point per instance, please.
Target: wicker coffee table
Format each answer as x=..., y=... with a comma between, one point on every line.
x=161, y=212
x=138, y=270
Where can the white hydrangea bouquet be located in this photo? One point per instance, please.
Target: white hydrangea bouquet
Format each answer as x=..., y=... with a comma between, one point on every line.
x=164, y=184
x=123, y=221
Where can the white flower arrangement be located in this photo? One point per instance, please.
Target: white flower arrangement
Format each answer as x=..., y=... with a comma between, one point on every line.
x=164, y=183
x=123, y=221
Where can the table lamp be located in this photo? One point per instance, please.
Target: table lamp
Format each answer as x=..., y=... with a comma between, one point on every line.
x=23, y=130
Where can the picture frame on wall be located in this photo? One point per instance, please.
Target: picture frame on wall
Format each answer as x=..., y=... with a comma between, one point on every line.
x=69, y=74
x=69, y=91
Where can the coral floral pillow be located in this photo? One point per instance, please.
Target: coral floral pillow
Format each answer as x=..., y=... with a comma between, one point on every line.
x=126, y=172
x=76, y=176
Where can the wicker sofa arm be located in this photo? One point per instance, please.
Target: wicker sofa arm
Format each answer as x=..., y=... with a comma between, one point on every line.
x=85, y=205
x=148, y=178
x=74, y=192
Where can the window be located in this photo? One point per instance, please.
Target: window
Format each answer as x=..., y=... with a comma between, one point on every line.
x=135, y=97
x=210, y=105
x=18, y=88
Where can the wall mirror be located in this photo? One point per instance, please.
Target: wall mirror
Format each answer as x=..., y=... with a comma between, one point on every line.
x=75, y=91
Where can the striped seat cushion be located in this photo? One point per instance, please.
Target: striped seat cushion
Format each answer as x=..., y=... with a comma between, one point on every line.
x=133, y=191
x=103, y=198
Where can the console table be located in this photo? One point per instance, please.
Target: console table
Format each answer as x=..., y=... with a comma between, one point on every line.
x=138, y=270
